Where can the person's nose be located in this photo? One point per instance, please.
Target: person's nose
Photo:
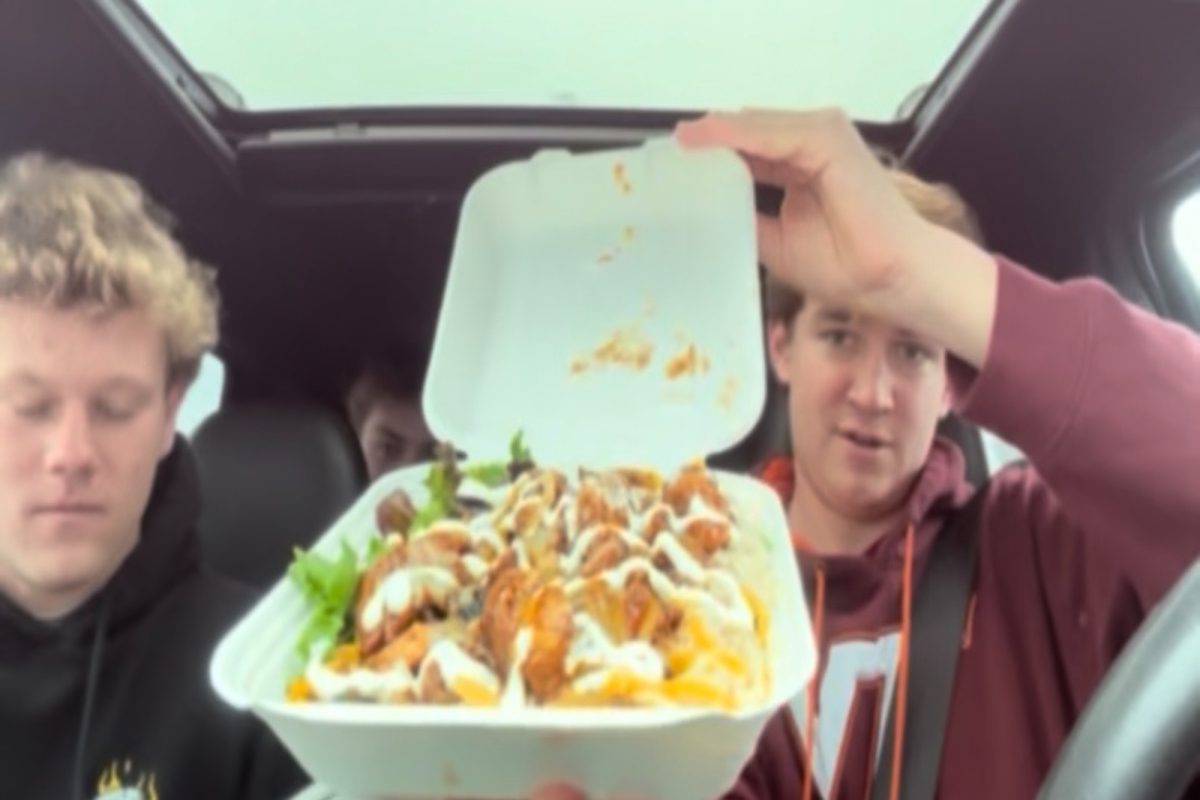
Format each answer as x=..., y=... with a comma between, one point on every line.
x=72, y=447
x=871, y=390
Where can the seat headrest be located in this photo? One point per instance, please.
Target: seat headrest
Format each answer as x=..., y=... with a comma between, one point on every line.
x=273, y=477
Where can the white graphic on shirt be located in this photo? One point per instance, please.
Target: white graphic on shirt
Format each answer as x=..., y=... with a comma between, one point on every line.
x=851, y=664
x=121, y=782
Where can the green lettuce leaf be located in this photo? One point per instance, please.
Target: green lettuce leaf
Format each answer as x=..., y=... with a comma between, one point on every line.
x=442, y=482
x=328, y=587
x=518, y=452
x=491, y=474
x=375, y=546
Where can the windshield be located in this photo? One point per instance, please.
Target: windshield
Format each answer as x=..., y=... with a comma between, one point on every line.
x=866, y=56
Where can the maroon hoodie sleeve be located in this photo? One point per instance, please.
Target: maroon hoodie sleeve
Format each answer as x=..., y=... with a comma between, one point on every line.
x=1104, y=399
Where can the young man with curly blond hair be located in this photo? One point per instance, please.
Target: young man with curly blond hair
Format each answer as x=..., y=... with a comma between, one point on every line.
x=107, y=619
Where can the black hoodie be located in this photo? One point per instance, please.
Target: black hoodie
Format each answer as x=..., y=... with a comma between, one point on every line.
x=115, y=697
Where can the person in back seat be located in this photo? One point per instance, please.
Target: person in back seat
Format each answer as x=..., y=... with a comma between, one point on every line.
x=107, y=618
x=884, y=314
x=384, y=406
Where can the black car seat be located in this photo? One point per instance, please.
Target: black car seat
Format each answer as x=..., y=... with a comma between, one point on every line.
x=273, y=477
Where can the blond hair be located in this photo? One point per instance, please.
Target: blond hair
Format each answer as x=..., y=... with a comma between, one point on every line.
x=76, y=237
x=937, y=203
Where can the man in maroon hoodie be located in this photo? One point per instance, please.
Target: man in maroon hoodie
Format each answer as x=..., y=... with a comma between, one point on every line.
x=895, y=320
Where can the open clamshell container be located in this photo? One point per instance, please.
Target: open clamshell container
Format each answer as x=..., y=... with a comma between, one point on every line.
x=607, y=305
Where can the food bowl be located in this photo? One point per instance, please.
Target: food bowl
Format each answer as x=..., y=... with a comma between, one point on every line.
x=411, y=751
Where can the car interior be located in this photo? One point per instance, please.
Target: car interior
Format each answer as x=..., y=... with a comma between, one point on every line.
x=1071, y=126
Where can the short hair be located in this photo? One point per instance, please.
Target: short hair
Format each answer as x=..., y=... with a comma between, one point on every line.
x=80, y=237
x=398, y=372
x=938, y=203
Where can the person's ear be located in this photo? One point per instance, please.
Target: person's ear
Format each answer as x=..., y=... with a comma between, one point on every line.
x=779, y=346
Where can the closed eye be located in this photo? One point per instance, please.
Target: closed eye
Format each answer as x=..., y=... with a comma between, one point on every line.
x=113, y=412
x=38, y=411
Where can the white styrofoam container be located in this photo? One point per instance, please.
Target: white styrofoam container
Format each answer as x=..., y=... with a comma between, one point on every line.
x=365, y=751
x=529, y=290
x=544, y=268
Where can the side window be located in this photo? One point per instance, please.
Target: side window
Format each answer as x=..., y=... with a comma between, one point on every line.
x=1185, y=235
x=998, y=452
x=204, y=396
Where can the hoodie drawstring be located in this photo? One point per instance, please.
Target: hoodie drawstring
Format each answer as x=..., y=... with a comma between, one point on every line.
x=95, y=660
x=901, y=688
x=810, y=711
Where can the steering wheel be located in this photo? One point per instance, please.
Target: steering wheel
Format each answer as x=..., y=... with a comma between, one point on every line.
x=1139, y=737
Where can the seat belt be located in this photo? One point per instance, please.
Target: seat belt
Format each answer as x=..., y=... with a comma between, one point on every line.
x=938, y=618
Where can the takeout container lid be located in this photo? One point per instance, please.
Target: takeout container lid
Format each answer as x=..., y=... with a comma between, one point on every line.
x=553, y=256
x=376, y=751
